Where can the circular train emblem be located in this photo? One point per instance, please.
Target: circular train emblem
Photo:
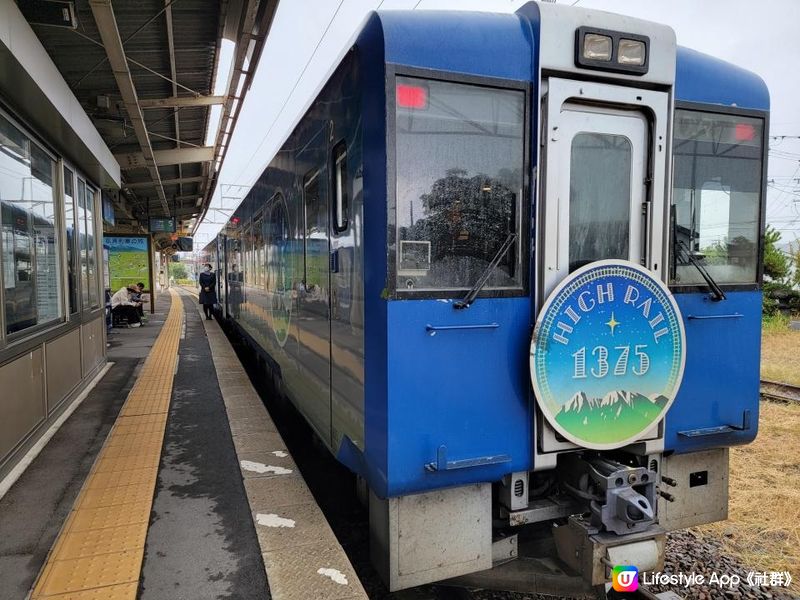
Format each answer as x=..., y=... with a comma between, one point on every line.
x=607, y=354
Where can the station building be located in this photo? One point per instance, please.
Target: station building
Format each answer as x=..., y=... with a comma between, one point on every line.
x=110, y=116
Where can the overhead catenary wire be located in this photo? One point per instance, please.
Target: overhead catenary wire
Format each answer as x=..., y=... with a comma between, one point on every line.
x=294, y=87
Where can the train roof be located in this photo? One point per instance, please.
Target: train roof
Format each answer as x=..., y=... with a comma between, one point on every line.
x=703, y=78
x=446, y=40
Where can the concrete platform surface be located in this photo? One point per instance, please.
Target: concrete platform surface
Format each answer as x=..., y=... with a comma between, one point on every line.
x=169, y=481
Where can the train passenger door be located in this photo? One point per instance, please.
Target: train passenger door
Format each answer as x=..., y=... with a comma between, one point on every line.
x=596, y=203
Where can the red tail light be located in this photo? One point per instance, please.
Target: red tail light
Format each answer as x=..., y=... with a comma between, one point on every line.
x=412, y=96
x=745, y=132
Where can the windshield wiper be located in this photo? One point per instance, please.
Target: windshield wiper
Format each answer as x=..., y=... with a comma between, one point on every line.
x=716, y=291
x=473, y=293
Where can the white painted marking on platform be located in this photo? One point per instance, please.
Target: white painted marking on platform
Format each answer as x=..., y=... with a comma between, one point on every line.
x=335, y=574
x=257, y=467
x=271, y=520
x=280, y=454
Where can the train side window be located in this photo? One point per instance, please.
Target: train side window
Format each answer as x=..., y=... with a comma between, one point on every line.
x=30, y=256
x=716, y=197
x=315, y=235
x=341, y=208
x=258, y=251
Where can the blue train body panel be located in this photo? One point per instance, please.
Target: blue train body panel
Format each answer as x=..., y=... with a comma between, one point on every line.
x=460, y=394
x=372, y=463
x=705, y=79
x=721, y=380
x=462, y=389
x=446, y=41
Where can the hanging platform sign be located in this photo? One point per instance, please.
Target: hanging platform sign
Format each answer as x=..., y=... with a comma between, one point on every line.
x=607, y=354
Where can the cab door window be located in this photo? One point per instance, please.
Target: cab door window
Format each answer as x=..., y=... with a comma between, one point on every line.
x=599, y=207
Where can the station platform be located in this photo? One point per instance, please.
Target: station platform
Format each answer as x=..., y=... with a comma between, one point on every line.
x=169, y=481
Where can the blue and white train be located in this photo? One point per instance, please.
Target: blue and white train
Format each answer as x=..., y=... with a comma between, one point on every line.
x=508, y=268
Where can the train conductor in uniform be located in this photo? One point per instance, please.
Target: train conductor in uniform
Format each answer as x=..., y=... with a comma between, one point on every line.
x=208, y=290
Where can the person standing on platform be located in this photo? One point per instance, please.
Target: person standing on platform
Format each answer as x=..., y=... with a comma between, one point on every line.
x=208, y=290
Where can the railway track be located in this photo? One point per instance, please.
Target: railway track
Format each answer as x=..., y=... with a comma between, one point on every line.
x=781, y=392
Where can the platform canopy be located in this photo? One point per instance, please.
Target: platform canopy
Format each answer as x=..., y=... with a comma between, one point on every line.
x=162, y=81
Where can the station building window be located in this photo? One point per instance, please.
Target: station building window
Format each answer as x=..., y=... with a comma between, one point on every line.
x=30, y=256
x=72, y=255
x=716, y=197
x=86, y=226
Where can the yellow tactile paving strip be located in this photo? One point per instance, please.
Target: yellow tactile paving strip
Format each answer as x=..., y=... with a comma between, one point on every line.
x=98, y=554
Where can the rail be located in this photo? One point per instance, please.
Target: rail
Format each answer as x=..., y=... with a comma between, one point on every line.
x=781, y=392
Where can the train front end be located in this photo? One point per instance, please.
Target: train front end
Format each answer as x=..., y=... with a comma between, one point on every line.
x=571, y=299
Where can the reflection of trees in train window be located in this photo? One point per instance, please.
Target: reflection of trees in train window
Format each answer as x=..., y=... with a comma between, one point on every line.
x=459, y=158
x=467, y=220
x=315, y=236
x=599, y=198
x=29, y=238
x=716, y=196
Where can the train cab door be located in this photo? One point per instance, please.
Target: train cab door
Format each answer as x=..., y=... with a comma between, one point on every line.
x=599, y=197
x=603, y=187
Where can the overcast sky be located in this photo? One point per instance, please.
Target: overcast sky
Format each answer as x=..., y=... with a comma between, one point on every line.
x=307, y=39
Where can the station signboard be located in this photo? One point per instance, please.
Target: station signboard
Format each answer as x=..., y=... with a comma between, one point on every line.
x=162, y=225
x=128, y=261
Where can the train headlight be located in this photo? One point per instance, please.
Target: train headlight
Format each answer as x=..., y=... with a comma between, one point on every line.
x=597, y=47
x=631, y=52
x=616, y=51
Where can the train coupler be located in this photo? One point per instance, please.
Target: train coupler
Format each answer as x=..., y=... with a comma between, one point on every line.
x=621, y=498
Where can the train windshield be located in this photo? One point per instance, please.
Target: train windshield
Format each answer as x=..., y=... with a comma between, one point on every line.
x=716, y=197
x=460, y=157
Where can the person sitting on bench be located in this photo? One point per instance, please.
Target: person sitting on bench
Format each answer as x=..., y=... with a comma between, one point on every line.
x=139, y=299
x=122, y=304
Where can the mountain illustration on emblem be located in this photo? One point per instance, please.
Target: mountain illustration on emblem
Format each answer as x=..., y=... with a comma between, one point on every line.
x=617, y=415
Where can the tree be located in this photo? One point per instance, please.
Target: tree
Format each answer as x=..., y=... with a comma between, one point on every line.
x=795, y=258
x=178, y=271
x=776, y=266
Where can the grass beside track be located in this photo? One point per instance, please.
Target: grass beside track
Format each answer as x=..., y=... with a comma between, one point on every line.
x=780, y=349
x=763, y=528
